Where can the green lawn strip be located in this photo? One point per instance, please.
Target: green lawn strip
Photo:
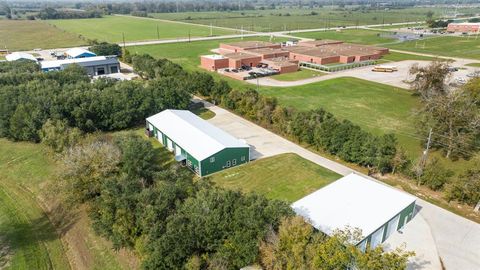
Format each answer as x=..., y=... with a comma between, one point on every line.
x=299, y=75
x=26, y=169
x=18, y=35
x=112, y=29
x=293, y=18
x=473, y=64
x=397, y=56
x=464, y=47
x=204, y=113
x=285, y=177
x=362, y=36
x=35, y=243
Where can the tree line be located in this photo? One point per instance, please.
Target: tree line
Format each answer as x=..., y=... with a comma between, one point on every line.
x=29, y=98
x=452, y=114
x=139, y=200
x=57, y=14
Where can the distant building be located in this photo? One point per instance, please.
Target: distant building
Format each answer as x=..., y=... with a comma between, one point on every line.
x=97, y=65
x=202, y=147
x=76, y=53
x=19, y=56
x=376, y=209
x=463, y=27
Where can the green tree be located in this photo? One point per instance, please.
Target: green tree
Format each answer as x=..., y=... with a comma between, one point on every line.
x=105, y=48
x=58, y=135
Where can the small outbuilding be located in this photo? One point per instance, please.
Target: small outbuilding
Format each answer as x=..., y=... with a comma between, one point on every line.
x=376, y=209
x=20, y=56
x=76, y=53
x=97, y=65
x=201, y=146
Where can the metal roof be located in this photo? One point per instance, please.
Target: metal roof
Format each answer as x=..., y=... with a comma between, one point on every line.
x=84, y=62
x=195, y=135
x=76, y=52
x=20, y=55
x=353, y=201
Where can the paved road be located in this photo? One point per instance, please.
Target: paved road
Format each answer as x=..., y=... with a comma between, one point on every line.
x=434, y=233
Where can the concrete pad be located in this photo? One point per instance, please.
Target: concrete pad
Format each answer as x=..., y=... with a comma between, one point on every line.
x=416, y=236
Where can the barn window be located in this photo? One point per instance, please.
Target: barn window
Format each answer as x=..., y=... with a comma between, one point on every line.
x=212, y=159
x=242, y=158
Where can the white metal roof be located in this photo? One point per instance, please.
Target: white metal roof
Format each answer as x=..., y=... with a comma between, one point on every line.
x=75, y=52
x=214, y=56
x=20, y=55
x=353, y=201
x=87, y=61
x=195, y=135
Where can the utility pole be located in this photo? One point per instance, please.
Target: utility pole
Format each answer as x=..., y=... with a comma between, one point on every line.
x=211, y=30
x=423, y=161
x=123, y=37
x=241, y=32
x=188, y=35
x=158, y=33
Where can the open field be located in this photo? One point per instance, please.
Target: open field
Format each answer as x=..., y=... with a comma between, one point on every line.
x=18, y=35
x=299, y=75
x=302, y=18
x=110, y=28
x=463, y=47
x=362, y=36
x=285, y=177
x=27, y=233
x=473, y=64
x=396, y=56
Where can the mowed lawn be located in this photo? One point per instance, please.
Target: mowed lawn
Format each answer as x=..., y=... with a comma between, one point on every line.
x=111, y=29
x=28, y=239
x=362, y=36
x=285, y=177
x=18, y=35
x=304, y=18
x=301, y=74
x=463, y=47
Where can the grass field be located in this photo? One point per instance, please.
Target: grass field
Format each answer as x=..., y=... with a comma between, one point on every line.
x=299, y=75
x=285, y=177
x=473, y=64
x=302, y=18
x=26, y=35
x=463, y=47
x=28, y=239
x=110, y=28
x=362, y=36
x=396, y=56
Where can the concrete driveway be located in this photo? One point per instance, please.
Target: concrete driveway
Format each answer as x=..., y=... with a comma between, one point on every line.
x=434, y=232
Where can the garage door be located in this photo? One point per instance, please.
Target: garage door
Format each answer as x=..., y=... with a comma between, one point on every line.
x=159, y=137
x=169, y=145
x=377, y=238
x=392, y=226
x=178, y=150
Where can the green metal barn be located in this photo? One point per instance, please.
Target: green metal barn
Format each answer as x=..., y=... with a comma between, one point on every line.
x=202, y=147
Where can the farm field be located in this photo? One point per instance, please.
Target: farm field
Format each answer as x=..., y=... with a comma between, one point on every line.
x=18, y=35
x=285, y=177
x=299, y=75
x=463, y=47
x=362, y=36
x=301, y=18
x=26, y=233
x=110, y=29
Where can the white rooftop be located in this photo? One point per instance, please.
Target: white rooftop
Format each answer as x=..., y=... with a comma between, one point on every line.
x=465, y=23
x=58, y=63
x=75, y=52
x=214, y=56
x=20, y=55
x=195, y=135
x=353, y=201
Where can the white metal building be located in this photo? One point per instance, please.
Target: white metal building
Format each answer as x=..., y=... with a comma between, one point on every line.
x=376, y=209
x=97, y=65
x=79, y=53
x=19, y=56
x=203, y=147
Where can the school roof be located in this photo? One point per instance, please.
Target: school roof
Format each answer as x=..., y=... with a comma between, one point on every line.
x=20, y=55
x=195, y=135
x=240, y=55
x=76, y=52
x=353, y=201
x=253, y=44
x=85, y=62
